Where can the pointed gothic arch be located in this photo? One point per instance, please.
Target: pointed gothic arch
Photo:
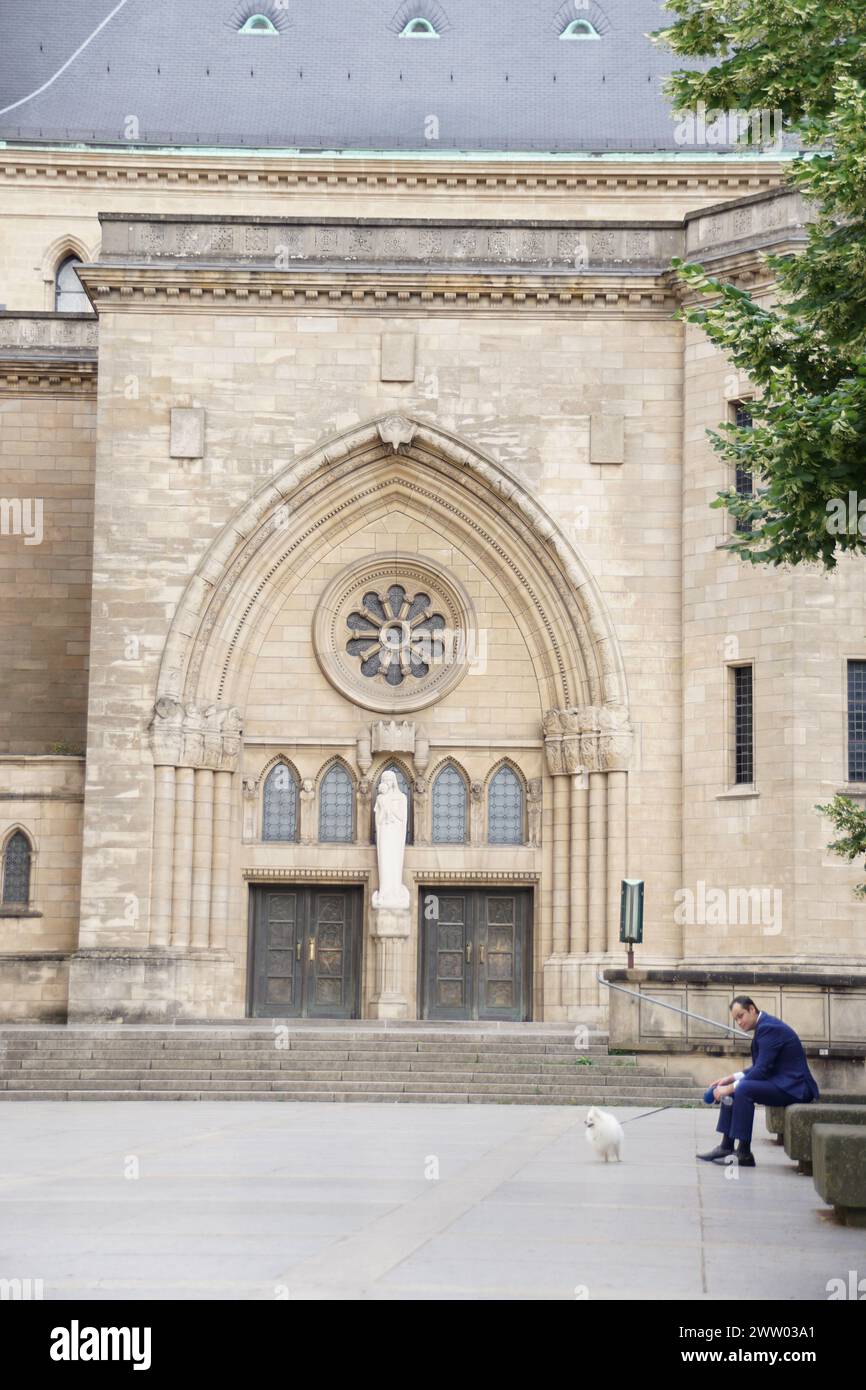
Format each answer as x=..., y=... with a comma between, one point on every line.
x=292, y=520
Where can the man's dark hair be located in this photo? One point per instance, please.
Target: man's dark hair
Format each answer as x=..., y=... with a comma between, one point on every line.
x=744, y=1002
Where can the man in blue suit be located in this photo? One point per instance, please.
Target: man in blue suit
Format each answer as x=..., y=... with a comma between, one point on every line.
x=779, y=1075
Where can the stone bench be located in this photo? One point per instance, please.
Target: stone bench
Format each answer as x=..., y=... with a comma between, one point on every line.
x=800, y=1120
x=775, y=1114
x=839, y=1161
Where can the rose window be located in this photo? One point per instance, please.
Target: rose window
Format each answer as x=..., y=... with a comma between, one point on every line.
x=395, y=635
x=394, y=632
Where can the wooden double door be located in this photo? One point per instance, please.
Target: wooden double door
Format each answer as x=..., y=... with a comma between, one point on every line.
x=475, y=953
x=305, y=954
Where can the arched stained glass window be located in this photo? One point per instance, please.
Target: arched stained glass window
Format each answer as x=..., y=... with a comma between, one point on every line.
x=16, y=870
x=449, y=808
x=405, y=788
x=505, y=809
x=280, y=820
x=336, y=807
x=69, y=296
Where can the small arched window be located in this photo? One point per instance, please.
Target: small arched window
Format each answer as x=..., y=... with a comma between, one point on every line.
x=69, y=296
x=449, y=808
x=17, y=857
x=419, y=29
x=505, y=809
x=406, y=789
x=280, y=819
x=580, y=29
x=336, y=807
x=258, y=24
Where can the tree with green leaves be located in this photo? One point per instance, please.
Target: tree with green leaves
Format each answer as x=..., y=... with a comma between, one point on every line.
x=849, y=820
x=806, y=357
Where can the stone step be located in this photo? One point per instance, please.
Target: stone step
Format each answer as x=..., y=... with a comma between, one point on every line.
x=469, y=1056
x=338, y=1095
x=479, y=1084
x=17, y=1080
x=315, y=1041
x=528, y=1065
x=315, y=1062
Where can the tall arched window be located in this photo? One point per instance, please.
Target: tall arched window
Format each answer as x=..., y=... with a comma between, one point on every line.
x=405, y=788
x=336, y=807
x=505, y=809
x=449, y=808
x=69, y=296
x=280, y=820
x=17, y=856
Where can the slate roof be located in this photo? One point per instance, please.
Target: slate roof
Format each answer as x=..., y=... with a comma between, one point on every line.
x=338, y=76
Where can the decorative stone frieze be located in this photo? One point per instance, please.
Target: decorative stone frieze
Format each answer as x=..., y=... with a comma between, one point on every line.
x=189, y=736
x=478, y=245
x=589, y=739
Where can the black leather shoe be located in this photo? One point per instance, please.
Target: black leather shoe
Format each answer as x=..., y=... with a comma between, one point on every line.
x=746, y=1160
x=716, y=1154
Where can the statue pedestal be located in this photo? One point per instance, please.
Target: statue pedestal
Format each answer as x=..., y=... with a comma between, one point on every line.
x=390, y=930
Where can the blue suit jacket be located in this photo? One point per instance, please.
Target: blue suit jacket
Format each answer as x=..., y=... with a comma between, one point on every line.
x=778, y=1056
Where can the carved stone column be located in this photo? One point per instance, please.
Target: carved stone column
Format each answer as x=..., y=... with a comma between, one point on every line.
x=195, y=753
x=617, y=851
x=202, y=860
x=579, y=867
x=184, y=818
x=561, y=846
x=222, y=819
x=163, y=856
x=597, y=862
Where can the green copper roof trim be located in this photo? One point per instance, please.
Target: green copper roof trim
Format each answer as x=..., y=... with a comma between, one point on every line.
x=467, y=156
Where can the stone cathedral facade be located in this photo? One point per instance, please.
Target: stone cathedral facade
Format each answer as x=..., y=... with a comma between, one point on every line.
x=378, y=462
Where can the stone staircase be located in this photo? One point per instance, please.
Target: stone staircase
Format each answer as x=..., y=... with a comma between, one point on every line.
x=522, y=1064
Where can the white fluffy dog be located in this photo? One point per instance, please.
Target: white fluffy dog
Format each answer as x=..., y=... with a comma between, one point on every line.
x=605, y=1134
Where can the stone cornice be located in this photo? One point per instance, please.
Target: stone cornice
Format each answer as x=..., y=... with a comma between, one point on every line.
x=146, y=288
x=22, y=375
x=138, y=169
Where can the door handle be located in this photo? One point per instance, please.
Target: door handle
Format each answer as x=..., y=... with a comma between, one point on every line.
x=468, y=952
x=298, y=950
x=481, y=954
x=312, y=948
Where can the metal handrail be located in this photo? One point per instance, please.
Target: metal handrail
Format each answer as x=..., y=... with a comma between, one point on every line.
x=662, y=1004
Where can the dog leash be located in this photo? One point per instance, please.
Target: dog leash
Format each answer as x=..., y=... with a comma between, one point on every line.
x=646, y=1112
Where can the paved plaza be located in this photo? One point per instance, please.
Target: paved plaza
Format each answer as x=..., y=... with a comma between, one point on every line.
x=315, y=1201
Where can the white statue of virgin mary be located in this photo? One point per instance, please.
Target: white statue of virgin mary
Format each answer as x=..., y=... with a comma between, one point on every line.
x=392, y=813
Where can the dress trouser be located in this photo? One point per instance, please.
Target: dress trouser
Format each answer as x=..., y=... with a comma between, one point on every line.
x=736, y=1120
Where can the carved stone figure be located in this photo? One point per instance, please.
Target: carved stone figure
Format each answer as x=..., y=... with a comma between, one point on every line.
x=533, y=806
x=397, y=432
x=166, y=736
x=392, y=815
